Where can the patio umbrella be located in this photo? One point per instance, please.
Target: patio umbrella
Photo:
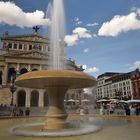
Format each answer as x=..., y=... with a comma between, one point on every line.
x=133, y=101
x=85, y=100
x=77, y=101
x=122, y=101
x=102, y=100
x=71, y=100
x=114, y=100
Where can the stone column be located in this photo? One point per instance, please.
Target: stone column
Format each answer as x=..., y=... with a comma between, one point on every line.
x=27, y=47
x=15, y=98
x=5, y=75
x=12, y=45
x=40, y=67
x=29, y=67
x=18, y=69
x=41, y=101
x=28, y=96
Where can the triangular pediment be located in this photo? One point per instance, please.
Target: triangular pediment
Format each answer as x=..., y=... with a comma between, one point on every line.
x=28, y=38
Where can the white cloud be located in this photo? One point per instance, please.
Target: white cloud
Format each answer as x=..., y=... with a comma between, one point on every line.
x=71, y=39
x=77, y=21
x=94, y=35
x=135, y=65
x=120, y=24
x=13, y=15
x=138, y=11
x=82, y=32
x=92, y=24
x=86, y=50
x=133, y=9
x=84, y=66
x=90, y=70
x=77, y=34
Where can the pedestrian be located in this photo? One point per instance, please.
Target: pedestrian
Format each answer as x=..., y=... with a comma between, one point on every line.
x=82, y=113
x=127, y=110
x=132, y=110
x=137, y=110
x=101, y=110
x=20, y=112
x=27, y=111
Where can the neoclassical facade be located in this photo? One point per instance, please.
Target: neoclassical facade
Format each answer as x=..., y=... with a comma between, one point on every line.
x=20, y=54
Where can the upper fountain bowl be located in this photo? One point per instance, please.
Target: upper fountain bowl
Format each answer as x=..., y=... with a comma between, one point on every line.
x=46, y=78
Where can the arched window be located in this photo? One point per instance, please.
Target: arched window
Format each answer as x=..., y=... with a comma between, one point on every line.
x=34, y=98
x=34, y=69
x=24, y=70
x=21, y=98
x=11, y=75
x=46, y=99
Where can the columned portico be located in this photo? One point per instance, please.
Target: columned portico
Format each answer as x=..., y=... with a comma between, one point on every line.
x=18, y=56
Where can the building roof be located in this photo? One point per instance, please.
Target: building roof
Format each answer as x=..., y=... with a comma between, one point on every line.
x=28, y=38
x=109, y=74
x=121, y=76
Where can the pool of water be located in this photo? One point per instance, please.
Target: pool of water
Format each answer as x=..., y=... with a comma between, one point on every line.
x=111, y=130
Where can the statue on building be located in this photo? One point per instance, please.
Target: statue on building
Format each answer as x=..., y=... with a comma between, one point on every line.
x=36, y=28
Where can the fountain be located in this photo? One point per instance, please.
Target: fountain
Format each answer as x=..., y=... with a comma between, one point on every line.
x=57, y=80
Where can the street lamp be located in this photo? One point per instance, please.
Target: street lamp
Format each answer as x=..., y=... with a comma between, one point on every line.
x=12, y=89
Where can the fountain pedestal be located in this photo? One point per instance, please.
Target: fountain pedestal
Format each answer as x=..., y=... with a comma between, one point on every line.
x=56, y=114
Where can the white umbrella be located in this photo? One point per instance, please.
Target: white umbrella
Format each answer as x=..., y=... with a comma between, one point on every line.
x=85, y=100
x=133, y=101
x=114, y=100
x=102, y=100
x=71, y=100
x=122, y=101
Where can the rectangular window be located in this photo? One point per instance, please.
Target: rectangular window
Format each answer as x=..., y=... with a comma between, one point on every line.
x=30, y=47
x=20, y=46
x=15, y=46
x=10, y=45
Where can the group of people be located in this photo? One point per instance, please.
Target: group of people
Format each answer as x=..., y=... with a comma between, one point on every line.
x=120, y=109
x=13, y=110
x=20, y=112
x=5, y=109
x=132, y=110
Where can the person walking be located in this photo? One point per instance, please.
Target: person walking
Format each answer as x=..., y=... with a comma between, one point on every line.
x=27, y=111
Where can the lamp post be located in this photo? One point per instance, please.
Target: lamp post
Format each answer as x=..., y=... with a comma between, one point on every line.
x=12, y=89
x=12, y=85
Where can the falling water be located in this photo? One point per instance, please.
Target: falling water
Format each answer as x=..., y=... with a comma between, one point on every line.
x=57, y=34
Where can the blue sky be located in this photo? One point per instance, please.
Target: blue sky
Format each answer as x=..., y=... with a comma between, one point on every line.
x=101, y=35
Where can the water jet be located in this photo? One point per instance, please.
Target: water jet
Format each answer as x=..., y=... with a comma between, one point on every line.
x=57, y=79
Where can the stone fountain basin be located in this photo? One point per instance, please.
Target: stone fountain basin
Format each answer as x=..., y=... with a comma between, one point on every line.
x=46, y=78
x=56, y=82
